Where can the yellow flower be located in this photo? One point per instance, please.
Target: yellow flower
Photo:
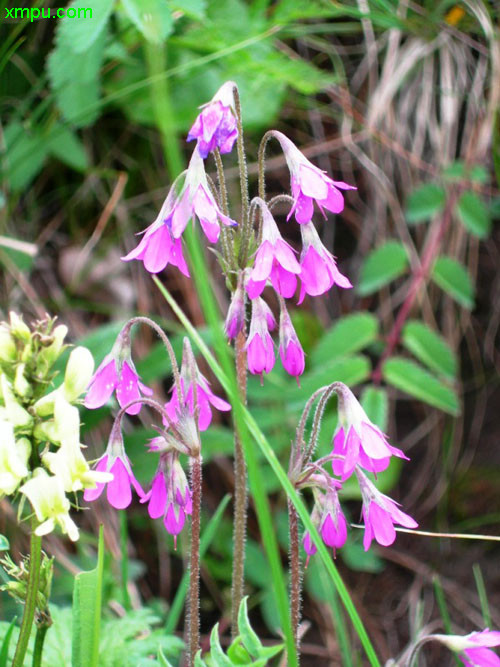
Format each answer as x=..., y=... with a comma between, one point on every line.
x=13, y=459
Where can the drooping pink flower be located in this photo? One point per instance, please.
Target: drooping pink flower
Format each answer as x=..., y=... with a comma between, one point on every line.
x=474, y=648
x=274, y=260
x=235, y=319
x=259, y=345
x=290, y=349
x=380, y=513
x=309, y=547
x=310, y=184
x=333, y=522
x=319, y=270
x=116, y=462
x=216, y=126
x=169, y=496
x=364, y=445
x=158, y=248
x=116, y=373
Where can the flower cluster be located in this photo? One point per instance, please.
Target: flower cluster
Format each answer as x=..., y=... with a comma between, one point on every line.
x=40, y=451
x=358, y=445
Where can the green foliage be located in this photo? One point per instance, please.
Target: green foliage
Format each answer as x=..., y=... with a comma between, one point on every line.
x=350, y=334
x=79, y=34
x=430, y=348
x=152, y=18
x=454, y=279
x=474, y=214
x=4, y=543
x=419, y=383
x=4, y=649
x=424, y=202
x=376, y=405
x=381, y=266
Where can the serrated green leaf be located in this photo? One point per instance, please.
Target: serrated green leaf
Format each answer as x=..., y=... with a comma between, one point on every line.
x=79, y=33
x=67, y=147
x=474, y=215
x=216, y=651
x=4, y=543
x=152, y=18
x=429, y=347
x=250, y=639
x=454, y=279
x=382, y=265
x=350, y=334
x=375, y=404
x=414, y=380
x=424, y=202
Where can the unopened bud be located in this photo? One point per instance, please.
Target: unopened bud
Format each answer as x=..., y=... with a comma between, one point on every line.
x=49, y=355
x=8, y=350
x=78, y=373
x=18, y=328
x=21, y=385
x=13, y=411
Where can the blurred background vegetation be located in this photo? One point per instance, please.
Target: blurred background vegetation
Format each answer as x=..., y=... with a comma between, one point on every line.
x=400, y=98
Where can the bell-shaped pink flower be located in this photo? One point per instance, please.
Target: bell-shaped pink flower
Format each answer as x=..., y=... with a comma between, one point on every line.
x=333, y=522
x=274, y=260
x=319, y=270
x=259, y=345
x=380, y=513
x=158, y=248
x=116, y=462
x=290, y=349
x=358, y=441
x=216, y=126
x=116, y=373
x=474, y=648
x=235, y=319
x=310, y=184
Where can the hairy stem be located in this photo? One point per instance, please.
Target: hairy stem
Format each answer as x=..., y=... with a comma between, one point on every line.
x=41, y=631
x=240, y=495
x=225, y=232
x=193, y=620
x=295, y=574
x=31, y=596
x=245, y=228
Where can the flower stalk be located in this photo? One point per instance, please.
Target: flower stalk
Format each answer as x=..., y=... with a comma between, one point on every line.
x=194, y=561
x=295, y=574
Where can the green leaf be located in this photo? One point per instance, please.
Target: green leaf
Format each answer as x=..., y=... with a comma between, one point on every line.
x=152, y=18
x=4, y=543
x=349, y=370
x=375, y=404
x=416, y=381
x=87, y=597
x=216, y=652
x=79, y=33
x=162, y=660
x=4, y=650
x=26, y=153
x=65, y=145
x=350, y=334
x=424, y=202
x=250, y=640
x=195, y=9
x=237, y=653
x=382, y=265
x=454, y=279
x=385, y=480
x=429, y=347
x=198, y=661
x=474, y=215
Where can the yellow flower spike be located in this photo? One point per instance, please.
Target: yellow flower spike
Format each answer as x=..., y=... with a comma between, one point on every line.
x=13, y=459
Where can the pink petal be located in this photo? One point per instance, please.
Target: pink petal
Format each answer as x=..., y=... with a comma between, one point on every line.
x=127, y=389
x=255, y=288
x=309, y=546
x=284, y=283
x=293, y=359
x=339, y=449
x=174, y=524
x=93, y=494
x=482, y=657
x=334, y=202
x=373, y=442
x=353, y=444
x=263, y=262
x=102, y=385
x=304, y=209
x=157, y=251
x=119, y=493
x=181, y=214
x=382, y=525
x=177, y=258
x=313, y=182
x=485, y=637
x=157, y=497
x=285, y=256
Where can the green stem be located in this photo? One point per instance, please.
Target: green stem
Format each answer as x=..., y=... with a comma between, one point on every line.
x=124, y=558
x=31, y=596
x=41, y=631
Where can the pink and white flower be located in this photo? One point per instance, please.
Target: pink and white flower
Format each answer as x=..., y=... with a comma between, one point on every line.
x=158, y=248
x=318, y=269
x=310, y=184
x=216, y=125
x=474, y=648
x=274, y=260
x=358, y=441
x=290, y=349
x=235, y=319
x=259, y=345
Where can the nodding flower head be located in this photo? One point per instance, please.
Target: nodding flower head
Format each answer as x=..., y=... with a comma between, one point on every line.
x=216, y=125
x=117, y=373
x=310, y=184
x=274, y=260
x=358, y=441
x=259, y=345
x=235, y=320
x=327, y=514
x=474, y=647
x=290, y=349
x=319, y=270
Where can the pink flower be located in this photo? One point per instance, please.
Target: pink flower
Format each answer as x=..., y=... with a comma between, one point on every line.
x=235, y=320
x=259, y=345
x=113, y=375
x=216, y=126
x=474, y=647
x=169, y=496
x=333, y=523
x=116, y=462
x=310, y=183
x=290, y=349
x=365, y=444
x=158, y=248
x=274, y=260
x=319, y=271
x=380, y=513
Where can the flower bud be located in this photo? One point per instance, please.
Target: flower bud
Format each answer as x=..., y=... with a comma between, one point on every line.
x=78, y=373
x=18, y=328
x=13, y=411
x=8, y=350
x=21, y=385
x=49, y=355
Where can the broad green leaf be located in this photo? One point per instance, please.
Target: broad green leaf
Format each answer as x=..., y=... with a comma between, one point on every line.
x=216, y=652
x=424, y=202
x=429, y=347
x=385, y=480
x=195, y=9
x=454, y=279
x=26, y=153
x=411, y=378
x=79, y=29
x=67, y=147
x=349, y=334
x=375, y=404
x=458, y=171
x=382, y=265
x=4, y=543
x=250, y=640
x=359, y=560
x=152, y=17
x=87, y=597
x=474, y=214
x=349, y=370
x=237, y=653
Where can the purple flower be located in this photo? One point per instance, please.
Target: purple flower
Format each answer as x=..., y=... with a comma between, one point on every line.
x=290, y=349
x=216, y=126
x=333, y=523
x=474, y=647
x=158, y=248
x=259, y=345
x=169, y=496
x=113, y=375
x=235, y=319
x=380, y=513
x=310, y=183
x=319, y=270
x=274, y=260
x=365, y=444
